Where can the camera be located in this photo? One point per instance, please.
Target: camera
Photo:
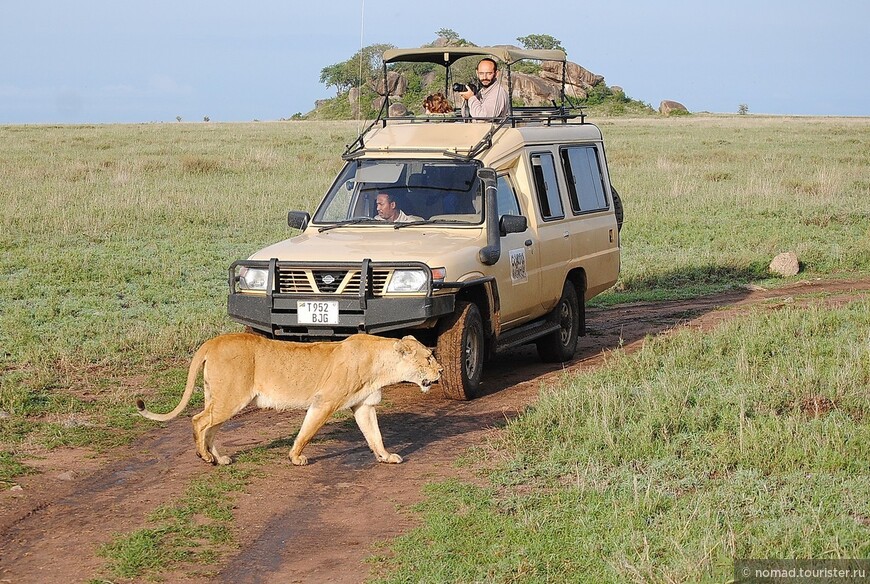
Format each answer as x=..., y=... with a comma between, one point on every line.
x=459, y=87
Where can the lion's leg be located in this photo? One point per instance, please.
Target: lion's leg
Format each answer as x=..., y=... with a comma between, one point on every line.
x=205, y=426
x=367, y=420
x=201, y=425
x=315, y=417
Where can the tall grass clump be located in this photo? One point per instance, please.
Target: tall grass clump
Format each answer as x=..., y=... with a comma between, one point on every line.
x=750, y=441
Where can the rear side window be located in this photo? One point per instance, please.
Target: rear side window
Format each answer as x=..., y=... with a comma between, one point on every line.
x=546, y=186
x=585, y=183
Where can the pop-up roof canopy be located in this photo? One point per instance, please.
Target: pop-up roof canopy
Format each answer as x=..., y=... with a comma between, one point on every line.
x=448, y=55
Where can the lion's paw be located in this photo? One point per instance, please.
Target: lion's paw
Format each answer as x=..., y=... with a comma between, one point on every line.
x=299, y=460
x=224, y=460
x=391, y=459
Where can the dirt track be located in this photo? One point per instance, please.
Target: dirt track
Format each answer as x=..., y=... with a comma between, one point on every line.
x=316, y=523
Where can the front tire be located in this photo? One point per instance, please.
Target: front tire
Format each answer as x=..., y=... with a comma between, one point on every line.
x=560, y=346
x=460, y=351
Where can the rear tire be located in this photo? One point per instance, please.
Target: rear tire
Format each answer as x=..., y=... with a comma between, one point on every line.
x=560, y=346
x=460, y=351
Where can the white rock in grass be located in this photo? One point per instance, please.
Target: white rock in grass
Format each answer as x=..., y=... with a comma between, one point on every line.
x=785, y=264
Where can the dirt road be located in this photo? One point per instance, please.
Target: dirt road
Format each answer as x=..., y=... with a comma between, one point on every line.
x=316, y=523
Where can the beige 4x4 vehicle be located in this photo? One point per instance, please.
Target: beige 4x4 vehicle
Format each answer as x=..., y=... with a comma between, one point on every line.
x=513, y=225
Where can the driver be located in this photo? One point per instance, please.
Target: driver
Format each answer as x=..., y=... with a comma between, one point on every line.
x=388, y=209
x=492, y=100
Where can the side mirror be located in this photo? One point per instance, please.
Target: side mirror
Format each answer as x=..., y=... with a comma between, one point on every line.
x=298, y=219
x=512, y=224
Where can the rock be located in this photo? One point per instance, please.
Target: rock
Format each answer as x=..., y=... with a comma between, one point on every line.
x=785, y=264
x=353, y=100
x=575, y=75
x=16, y=488
x=67, y=476
x=398, y=110
x=533, y=90
x=667, y=107
x=396, y=82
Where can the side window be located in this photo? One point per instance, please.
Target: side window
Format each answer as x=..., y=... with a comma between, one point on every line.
x=507, y=198
x=585, y=183
x=546, y=186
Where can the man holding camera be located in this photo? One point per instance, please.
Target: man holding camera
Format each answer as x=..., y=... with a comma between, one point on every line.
x=492, y=100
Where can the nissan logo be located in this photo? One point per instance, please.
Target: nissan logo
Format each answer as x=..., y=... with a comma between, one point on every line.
x=328, y=279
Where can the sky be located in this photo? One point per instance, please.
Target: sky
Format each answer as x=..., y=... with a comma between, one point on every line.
x=111, y=61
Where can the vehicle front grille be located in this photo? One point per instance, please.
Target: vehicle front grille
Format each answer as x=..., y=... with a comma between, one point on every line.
x=295, y=280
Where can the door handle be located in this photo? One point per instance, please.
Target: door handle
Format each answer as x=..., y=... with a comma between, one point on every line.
x=528, y=243
x=566, y=235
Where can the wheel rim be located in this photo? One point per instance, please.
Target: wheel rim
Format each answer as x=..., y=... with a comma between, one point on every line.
x=566, y=324
x=471, y=353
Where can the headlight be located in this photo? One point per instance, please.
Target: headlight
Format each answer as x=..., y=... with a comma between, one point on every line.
x=407, y=281
x=253, y=279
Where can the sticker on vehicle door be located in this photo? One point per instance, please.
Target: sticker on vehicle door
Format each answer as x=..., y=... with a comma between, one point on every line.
x=518, y=266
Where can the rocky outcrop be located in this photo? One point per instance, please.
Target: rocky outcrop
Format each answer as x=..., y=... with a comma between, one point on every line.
x=533, y=89
x=668, y=107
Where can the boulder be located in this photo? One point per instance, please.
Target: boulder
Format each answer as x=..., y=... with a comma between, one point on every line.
x=575, y=75
x=667, y=107
x=396, y=82
x=785, y=264
x=353, y=100
x=533, y=90
x=398, y=110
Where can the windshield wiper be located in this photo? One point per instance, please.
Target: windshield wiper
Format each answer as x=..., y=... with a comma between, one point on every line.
x=407, y=223
x=354, y=221
x=433, y=222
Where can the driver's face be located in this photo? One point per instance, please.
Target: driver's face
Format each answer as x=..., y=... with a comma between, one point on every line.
x=386, y=209
x=486, y=73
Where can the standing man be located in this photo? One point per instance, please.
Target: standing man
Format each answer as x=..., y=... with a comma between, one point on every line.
x=492, y=100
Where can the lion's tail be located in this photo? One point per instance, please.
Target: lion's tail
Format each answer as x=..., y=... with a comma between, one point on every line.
x=195, y=364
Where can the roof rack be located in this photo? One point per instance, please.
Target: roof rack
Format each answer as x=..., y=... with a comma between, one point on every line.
x=561, y=113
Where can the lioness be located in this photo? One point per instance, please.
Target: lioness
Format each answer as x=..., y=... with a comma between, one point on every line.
x=324, y=377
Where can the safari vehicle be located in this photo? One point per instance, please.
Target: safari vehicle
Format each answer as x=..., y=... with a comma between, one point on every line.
x=513, y=225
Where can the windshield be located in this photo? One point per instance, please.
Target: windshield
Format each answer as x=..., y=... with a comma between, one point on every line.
x=371, y=192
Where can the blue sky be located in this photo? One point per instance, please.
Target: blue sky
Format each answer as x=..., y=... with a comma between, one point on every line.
x=106, y=61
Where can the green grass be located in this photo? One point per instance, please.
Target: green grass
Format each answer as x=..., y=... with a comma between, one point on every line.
x=114, y=246
x=750, y=441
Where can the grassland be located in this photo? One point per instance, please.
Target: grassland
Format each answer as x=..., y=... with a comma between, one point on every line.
x=114, y=247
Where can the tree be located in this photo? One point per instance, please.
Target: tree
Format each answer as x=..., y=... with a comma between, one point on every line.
x=743, y=109
x=541, y=41
x=364, y=66
x=452, y=37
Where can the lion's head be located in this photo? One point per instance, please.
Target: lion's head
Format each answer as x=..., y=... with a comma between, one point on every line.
x=416, y=362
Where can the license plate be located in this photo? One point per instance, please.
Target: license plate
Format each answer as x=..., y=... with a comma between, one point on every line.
x=317, y=312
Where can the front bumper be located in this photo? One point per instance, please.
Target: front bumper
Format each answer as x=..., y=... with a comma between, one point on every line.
x=363, y=304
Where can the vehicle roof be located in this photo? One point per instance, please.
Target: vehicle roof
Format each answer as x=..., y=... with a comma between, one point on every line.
x=448, y=55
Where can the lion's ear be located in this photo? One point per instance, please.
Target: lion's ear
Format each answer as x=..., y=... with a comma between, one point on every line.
x=403, y=346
